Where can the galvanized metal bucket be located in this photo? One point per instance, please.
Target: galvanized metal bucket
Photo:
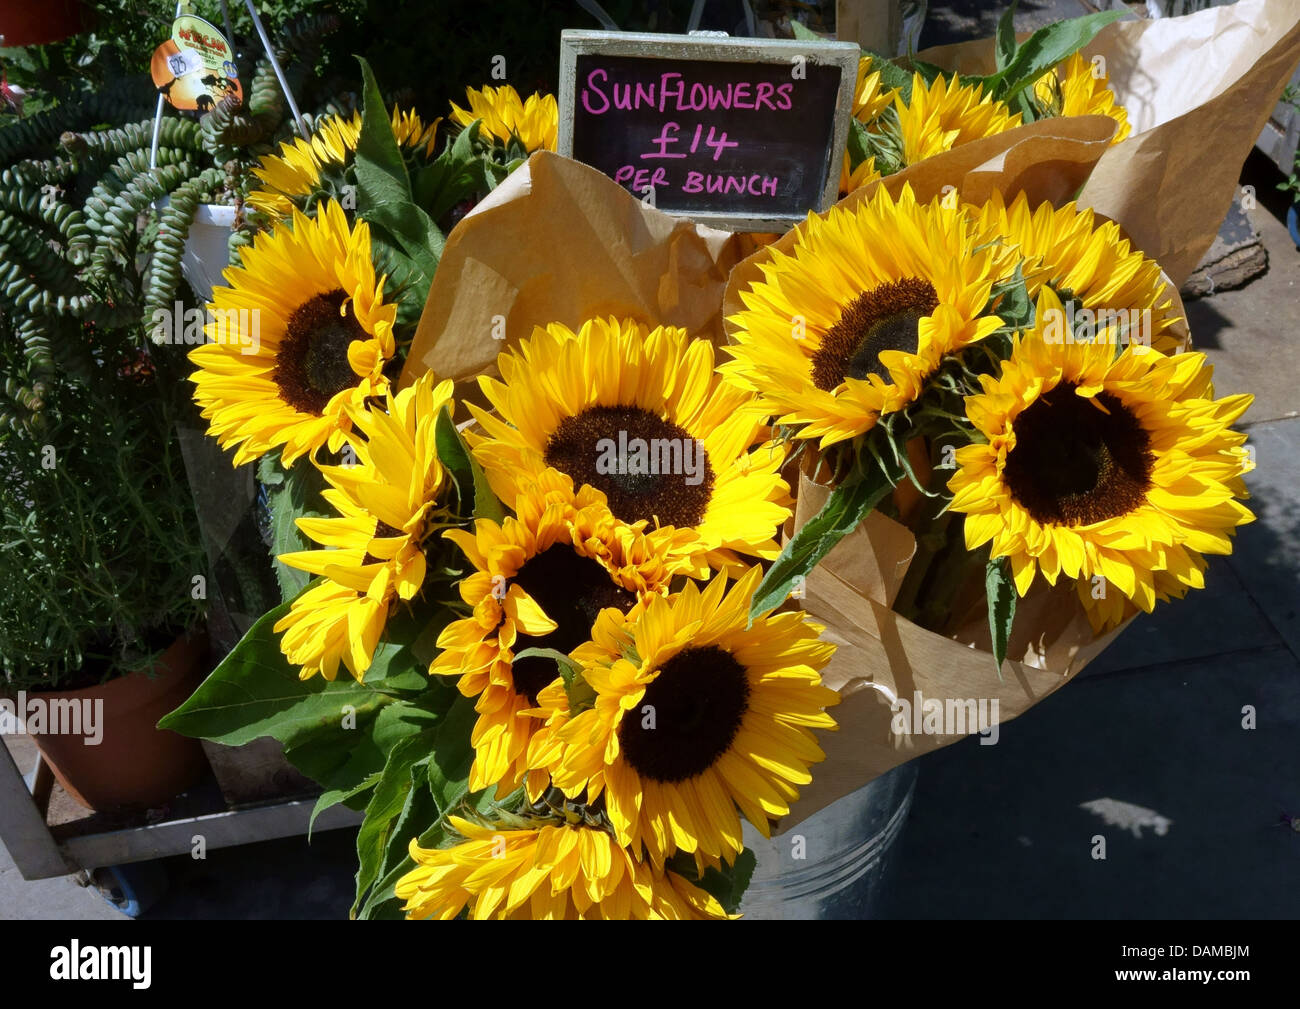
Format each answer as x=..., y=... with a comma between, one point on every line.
x=833, y=865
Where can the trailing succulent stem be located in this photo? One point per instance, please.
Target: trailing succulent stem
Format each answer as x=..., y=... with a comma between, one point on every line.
x=80, y=201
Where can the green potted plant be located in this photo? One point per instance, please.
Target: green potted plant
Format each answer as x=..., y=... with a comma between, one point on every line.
x=102, y=582
x=106, y=227
x=104, y=571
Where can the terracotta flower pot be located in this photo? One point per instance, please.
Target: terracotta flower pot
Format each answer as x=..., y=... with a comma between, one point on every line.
x=29, y=23
x=134, y=764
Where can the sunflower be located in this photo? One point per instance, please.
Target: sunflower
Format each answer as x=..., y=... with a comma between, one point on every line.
x=869, y=98
x=856, y=178
x=301, y=333
x=298, y=169
x=641, y=416
x=1106, y=609
x=1089, y=261
x=849, y=324
x=1123, y=467
x=534, y=124
x=552, y=871
x=538, y=582
x=376, y=543
x=697, y=711
x=947, y=114
x=1074, y=89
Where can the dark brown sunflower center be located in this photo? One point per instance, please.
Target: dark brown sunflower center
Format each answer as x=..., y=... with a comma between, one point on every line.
x=571, y=590
x=647, y=467
x=688, y=716
x=311, y=366
x=1075, y=463
x=884, y=318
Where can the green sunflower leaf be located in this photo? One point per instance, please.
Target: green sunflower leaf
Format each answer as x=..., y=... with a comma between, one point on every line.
x=402, y=773
x=453, y=755
x=339, y=733
x=405, y=282
x=847, y=505
x=292, y=493
x=1011, y=302
x=256, y=692
x=453, y=453
x=1000, y=588
x=726, y=885
x=445, y=786
x=472, y=488
x=486, y=504
x=1043, y=50
x=460, y=173
x=400, y=664
x=859, y=144
x=892, y=76
x=929, y=72
x=384, y=197
x=1006, y=38
x=579, y=692
x=345, y=795
x=382, y=904
x=566, y=668
x=425, y=776
x=1024, y=103
x=418, y=811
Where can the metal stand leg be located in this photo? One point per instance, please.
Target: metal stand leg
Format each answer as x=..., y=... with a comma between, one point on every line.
x=22, y=826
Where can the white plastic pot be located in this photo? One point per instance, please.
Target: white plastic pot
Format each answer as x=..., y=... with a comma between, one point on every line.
x=207, y=251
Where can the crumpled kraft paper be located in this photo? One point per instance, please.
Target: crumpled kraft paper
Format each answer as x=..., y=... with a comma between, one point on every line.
x=560, y=242
x=1198, y=90
x=882, y=657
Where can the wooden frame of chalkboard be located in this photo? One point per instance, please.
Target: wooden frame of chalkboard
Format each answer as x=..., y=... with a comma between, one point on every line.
x=786, y=114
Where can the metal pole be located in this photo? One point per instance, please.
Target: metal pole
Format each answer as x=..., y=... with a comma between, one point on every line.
x=157, y=116
x=22, y=826
x=279, y=74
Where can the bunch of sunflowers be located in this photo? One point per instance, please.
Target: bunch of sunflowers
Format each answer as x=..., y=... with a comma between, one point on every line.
x=560, y=600
x=916, y=118
x=1017, y=366
x=900, y=118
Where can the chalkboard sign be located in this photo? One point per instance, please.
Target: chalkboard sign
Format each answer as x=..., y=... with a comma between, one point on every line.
x=740, y=133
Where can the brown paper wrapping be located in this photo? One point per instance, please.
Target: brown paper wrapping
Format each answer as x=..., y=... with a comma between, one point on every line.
x=560, y=242
x=882, y=656
x=1198, y=91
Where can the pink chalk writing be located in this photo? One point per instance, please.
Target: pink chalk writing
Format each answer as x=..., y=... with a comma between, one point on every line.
x=664, y=139
x=673, y=92
x=753, y=185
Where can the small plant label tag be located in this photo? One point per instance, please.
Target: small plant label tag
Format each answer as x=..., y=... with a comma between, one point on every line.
x=195, y=68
